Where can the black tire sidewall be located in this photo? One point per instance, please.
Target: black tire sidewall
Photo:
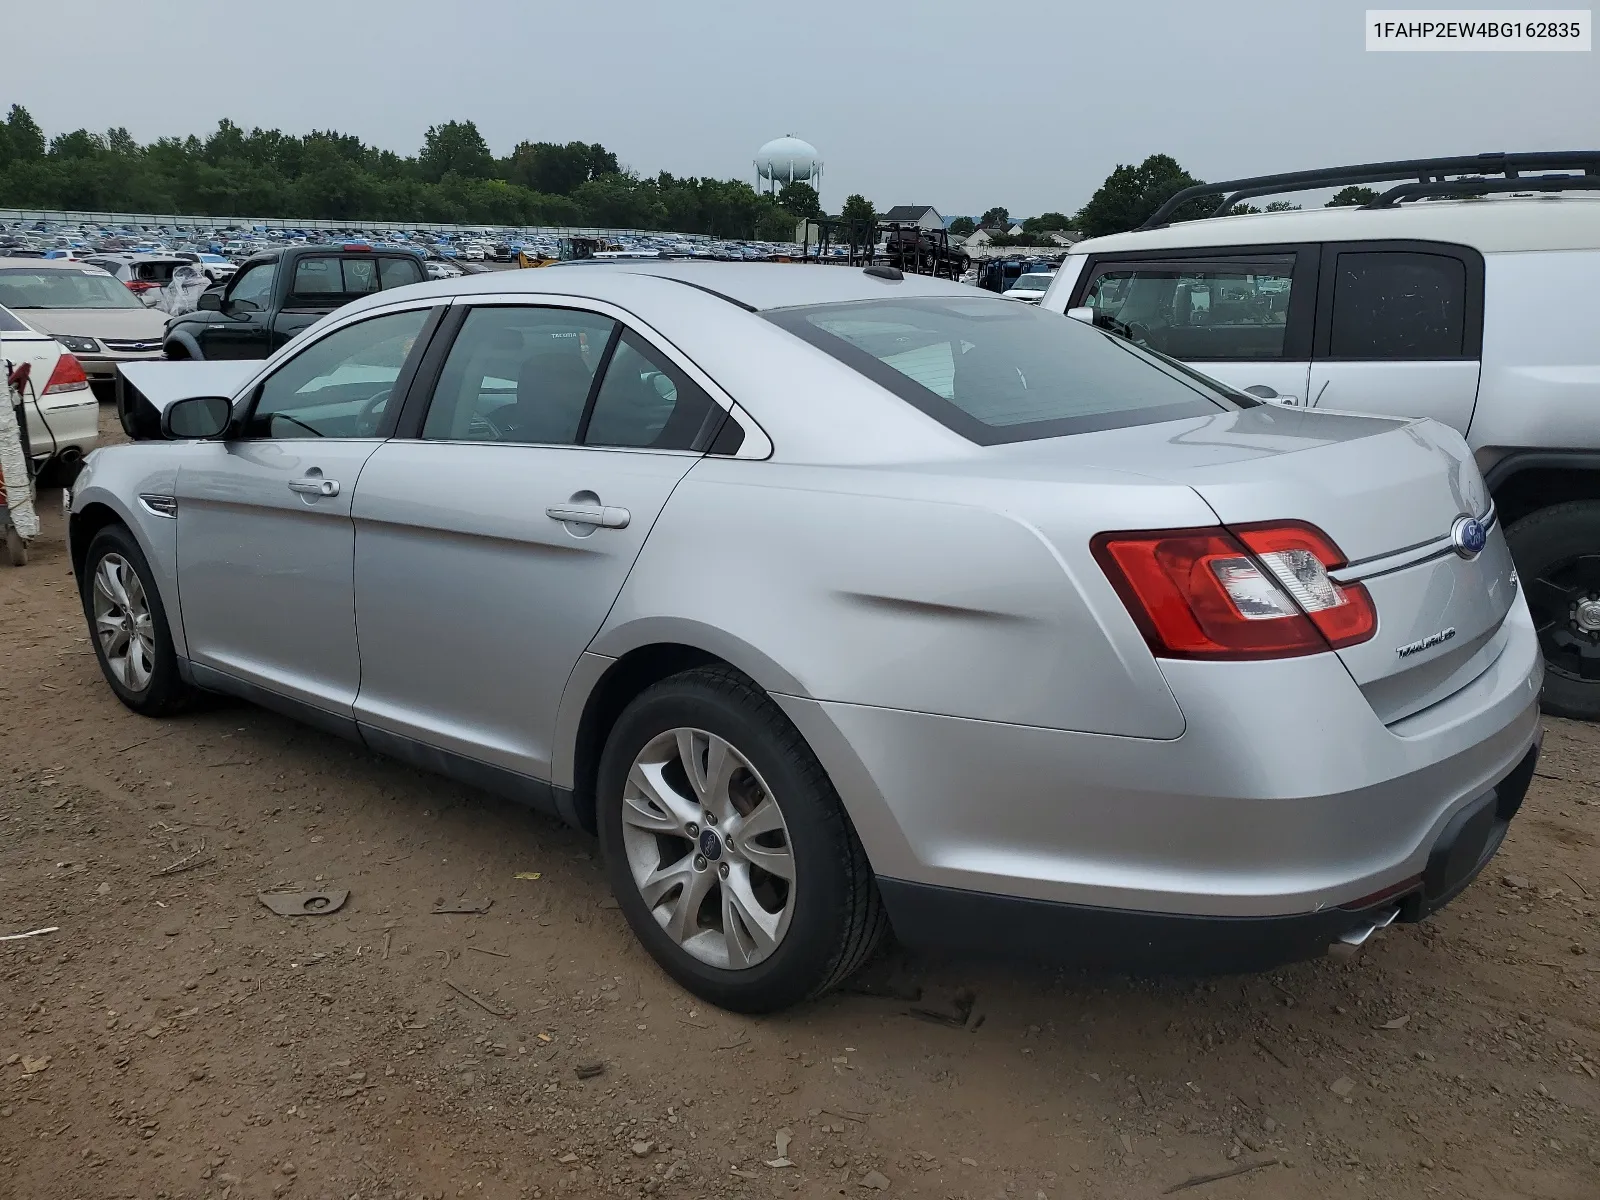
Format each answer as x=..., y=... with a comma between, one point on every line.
x=803, y=961
x=1537, y=541
x=166, y=688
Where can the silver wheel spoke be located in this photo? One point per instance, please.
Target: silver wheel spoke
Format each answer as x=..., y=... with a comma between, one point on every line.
x=750, y=931
x=682, y=924
x=709, y=763
x=763, y=819
x=113, y=632
x=775, y=860
x=109, y=581
x=660, y=882
x=658, y=807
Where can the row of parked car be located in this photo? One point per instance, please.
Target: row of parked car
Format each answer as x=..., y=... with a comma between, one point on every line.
x=1191, y=618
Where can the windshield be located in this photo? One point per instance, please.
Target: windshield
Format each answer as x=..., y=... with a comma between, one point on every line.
x=1036, y=282
x=22, y=288
x=997, y=372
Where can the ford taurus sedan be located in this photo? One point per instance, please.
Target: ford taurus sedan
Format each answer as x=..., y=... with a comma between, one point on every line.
x=836, y=601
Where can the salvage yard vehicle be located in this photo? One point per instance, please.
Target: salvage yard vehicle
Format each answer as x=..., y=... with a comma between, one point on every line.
x=1465, y=293
x=98, y=320
x=63, y=416
x=145, y=275
x=275, y=295
x=835, y=599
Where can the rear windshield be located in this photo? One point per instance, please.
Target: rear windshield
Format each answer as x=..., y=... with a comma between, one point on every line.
x=321, y=279
x=995, y=371
x=10, y=324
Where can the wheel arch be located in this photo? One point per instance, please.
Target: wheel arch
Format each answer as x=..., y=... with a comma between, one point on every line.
x=1526, y=481
x=103, y=508
x=622, y=664
x=184, y=339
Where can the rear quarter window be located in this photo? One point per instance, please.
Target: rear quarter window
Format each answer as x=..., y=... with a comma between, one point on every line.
x=996, y=371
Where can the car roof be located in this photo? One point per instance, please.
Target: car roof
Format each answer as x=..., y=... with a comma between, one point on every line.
x=1491, y=225
x=50, y=264
x=757, y=286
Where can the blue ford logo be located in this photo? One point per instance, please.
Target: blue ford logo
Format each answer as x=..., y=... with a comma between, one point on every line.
x=1469, y=536
x=710, y=844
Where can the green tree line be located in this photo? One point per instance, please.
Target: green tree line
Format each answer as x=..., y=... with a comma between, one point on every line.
x=453, y=178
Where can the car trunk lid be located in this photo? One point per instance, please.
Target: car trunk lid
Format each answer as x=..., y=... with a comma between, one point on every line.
x=1388, y=493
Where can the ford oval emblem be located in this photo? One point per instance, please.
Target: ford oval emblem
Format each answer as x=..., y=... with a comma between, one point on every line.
x=1469, y=537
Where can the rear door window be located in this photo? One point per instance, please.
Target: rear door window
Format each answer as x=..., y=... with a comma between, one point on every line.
x=1397, y=305
x=1227, y=309
x=646, y=402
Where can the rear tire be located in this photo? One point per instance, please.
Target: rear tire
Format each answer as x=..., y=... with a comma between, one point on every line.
x=810, y=932
x=128, y=626
x=1557, y=552
x=16, y=548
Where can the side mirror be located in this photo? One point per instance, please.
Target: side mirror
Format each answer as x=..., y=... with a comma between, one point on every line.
x=1084, y=314
x=209, y=302
x=197, y=417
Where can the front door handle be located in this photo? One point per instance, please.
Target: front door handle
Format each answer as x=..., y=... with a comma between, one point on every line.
x=605, y=516
x=315, y=487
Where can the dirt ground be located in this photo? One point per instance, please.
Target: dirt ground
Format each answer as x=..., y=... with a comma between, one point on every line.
x=174, y=1038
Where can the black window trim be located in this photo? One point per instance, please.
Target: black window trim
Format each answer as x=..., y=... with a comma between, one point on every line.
x=1472, y=315
x=403, y=382
x=1298, y=322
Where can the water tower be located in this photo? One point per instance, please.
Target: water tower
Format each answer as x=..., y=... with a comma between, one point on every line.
x=787, y=160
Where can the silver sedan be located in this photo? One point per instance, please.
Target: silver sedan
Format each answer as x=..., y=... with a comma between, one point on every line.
x=836, y=601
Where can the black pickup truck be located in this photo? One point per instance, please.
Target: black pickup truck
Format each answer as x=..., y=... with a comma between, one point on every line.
x=275, y=295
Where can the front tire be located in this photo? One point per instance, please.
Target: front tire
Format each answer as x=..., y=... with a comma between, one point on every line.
x=728, y=849
x=128, y=626
x=1557, y=552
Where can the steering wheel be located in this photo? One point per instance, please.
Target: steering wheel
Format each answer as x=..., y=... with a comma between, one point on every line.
x=369, y=409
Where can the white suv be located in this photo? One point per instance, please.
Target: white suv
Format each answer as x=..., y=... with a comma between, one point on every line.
x=1472, y=301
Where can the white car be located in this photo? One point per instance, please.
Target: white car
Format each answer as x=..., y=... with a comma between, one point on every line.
x=1029, y=288
x=63, y=415
x=473, y=253
x=84, y=308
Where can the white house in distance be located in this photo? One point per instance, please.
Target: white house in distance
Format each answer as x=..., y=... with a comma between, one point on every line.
x=921, y=215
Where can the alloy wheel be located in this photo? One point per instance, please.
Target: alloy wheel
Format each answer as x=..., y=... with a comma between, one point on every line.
x=708, y=848
x=1565, y=600
x=122, y=622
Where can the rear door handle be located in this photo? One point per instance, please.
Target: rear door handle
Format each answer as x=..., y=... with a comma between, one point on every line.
x=315, y=487
x=605, y=516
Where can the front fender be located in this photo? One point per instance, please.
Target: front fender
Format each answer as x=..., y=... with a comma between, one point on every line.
x=108, y=489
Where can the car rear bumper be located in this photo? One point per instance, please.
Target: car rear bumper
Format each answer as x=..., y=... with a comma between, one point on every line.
x=1173, y=943
x=1284, y=798
x=58, y=425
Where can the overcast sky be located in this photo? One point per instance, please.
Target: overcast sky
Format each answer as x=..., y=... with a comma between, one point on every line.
x=958, y=105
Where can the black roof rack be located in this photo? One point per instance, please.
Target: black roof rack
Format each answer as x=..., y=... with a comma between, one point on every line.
x=1429, y=175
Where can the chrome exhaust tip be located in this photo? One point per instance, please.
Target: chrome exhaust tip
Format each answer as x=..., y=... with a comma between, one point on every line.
x=1349, y=944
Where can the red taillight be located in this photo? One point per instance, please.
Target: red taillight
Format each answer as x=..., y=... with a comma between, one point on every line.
x=1300, y=557
x=358, y=246
x=1261, y=591
x=140, y=285
x=68, y=376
